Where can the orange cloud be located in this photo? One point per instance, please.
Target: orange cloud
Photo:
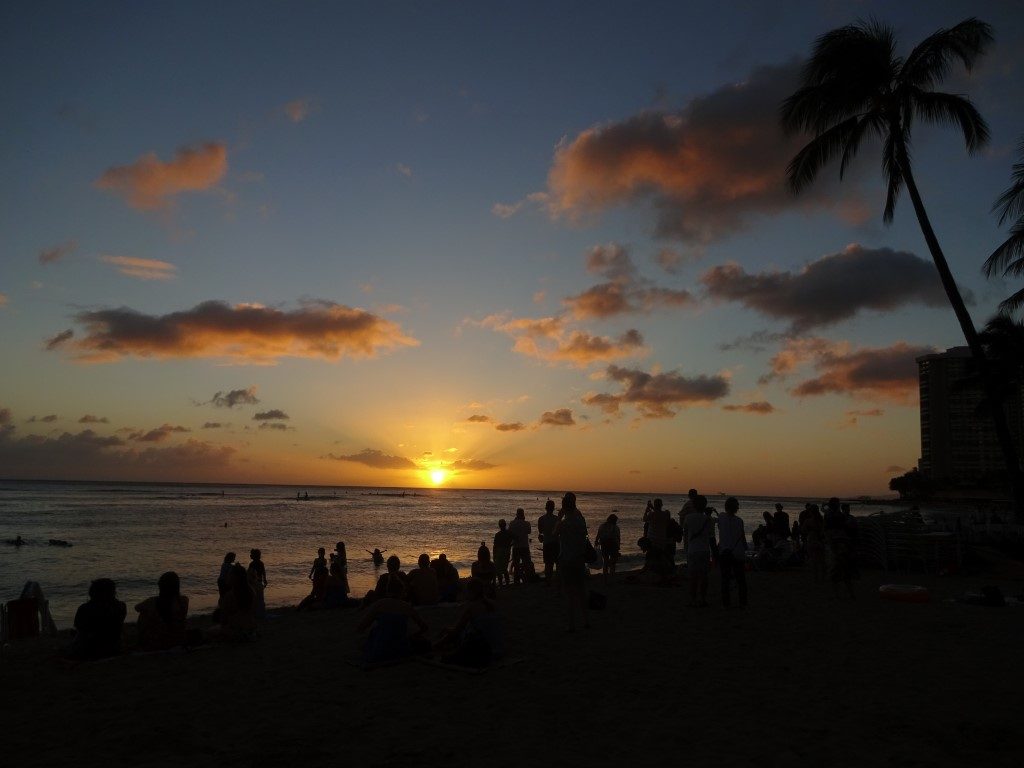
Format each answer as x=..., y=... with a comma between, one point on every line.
x=376, y=459
x=547, y=339
x=240, y=332
x=514, y=426
x=887, y=373
x=761, y=407
x=657, y=395
x=559, y=418
x=298, y=110
x=708, y=169
x=150, y=184
x=143, y=269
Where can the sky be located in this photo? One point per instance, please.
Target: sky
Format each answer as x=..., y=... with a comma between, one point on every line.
x=488, y=245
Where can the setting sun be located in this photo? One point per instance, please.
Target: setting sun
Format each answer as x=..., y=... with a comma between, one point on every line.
x=437, y=476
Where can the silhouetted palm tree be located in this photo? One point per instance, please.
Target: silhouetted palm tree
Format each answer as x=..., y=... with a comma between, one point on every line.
x=854, y=85
x=1008, y=258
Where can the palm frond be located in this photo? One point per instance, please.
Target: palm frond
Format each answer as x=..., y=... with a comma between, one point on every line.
x=803, y=168
x=816, y=108
x=1008, y=258
x=1011, y=203
x=853, y=140
x=864, y=50
x=892, y=168
x=1013, y=303
x=930, y=62
x=949, y=108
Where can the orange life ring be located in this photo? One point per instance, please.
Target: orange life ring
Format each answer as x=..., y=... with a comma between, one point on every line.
x=904, y=593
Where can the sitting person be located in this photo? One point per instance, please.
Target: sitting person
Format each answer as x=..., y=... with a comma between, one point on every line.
x=447, y=578
x=477, y=635
x=235, y=610
x=392, y=579
x=161, y=621
x=98, y=623
x=389, y=618
x=485, y=570
x=423, y=586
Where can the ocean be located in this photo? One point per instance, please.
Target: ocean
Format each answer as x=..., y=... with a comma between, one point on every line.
x=133, y=532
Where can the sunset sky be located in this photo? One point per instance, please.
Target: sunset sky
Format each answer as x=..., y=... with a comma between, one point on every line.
x=530, y=245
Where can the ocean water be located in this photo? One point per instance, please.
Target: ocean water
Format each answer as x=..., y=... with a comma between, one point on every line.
x=133, y=532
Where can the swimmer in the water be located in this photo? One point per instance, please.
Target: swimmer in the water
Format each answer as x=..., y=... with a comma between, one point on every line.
x=377, y=556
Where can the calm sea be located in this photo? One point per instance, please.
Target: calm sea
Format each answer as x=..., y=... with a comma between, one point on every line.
x=133, y=532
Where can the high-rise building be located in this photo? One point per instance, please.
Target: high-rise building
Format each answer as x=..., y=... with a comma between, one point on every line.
x=958, y=440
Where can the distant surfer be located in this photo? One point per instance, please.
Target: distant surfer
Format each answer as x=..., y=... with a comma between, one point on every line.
x=377, y=556
x=16, y=542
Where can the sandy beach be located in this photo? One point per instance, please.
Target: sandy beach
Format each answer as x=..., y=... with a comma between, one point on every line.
x=797, y=678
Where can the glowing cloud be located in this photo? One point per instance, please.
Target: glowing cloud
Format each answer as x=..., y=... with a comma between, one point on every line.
x=761, y=407
x=235, y=397
x=376, y=459
x=150, y=184
x=274, y=414
x=241, y=332
x=143, y=269
x=658, y=395
x=560, y=418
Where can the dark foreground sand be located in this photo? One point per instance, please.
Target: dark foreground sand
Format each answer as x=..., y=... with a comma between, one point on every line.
x=796, y=679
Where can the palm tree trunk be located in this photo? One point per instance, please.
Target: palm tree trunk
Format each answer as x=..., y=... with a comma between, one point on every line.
x=973, y=342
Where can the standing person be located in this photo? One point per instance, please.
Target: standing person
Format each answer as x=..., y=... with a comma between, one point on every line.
x=657, y=541
x=225, y=571
x=318, y=573
x=697, y=530
x=781, y=523
x=235, y=607
x=546, y=530
x=689, y=506
x=647, y=516
x=609, y=539
x=812, y=529
x=503, y=540
x=732, y=552
x=339, y=557
x=522, y=564
x=257, y=573
x=572, y=554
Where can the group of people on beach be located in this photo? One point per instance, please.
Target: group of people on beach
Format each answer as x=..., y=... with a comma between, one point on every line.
x=390, y=609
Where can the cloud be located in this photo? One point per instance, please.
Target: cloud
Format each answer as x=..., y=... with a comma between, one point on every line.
x=624, y=292
x=760, y=406
x=143, y=269
x=758, y=341
x=298, y=109
x=377, y=459
x=548, y=339
x=3, y=299
x=87, y=455
x=5, y=416
x=671, y=260
x=274, y=414
x=58, y=252
x=709, y=169
x=471, y=465
x=274, y=425
x=404, y=169
x=514, y=426
x=508, y=210
x=90, y=419
x=49, y=419
x=833, y=288
x=157, y=435
x=852, y=417
x=235, y=397
x=479, y=418
x=560, y=418
x=658, y=395
x=887, y=373
x=150, y=184
x=213, y=425
x=55, y=341
x=241, y=332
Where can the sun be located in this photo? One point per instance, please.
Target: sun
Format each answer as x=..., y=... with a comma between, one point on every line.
x=437, y=476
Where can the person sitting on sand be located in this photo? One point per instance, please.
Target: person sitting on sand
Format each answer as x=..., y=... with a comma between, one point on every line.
x=732, y=552
x=697, y=531
x=522, y=563
x=318, y=573
x=503, y=540
x=447, y=578
x=257, y=573
x=572, y=553
x=161, y=623
x=98, y=623
x=377, y=556
x=546, y=532
x=484, y=570
x=477, y=635
x=225, y=569
x=392, y=581
x=423, y=586
x=235, y=615
x=609, y=540
x=388, y=622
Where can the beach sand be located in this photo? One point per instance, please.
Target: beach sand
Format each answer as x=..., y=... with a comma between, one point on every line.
x=798, y=678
